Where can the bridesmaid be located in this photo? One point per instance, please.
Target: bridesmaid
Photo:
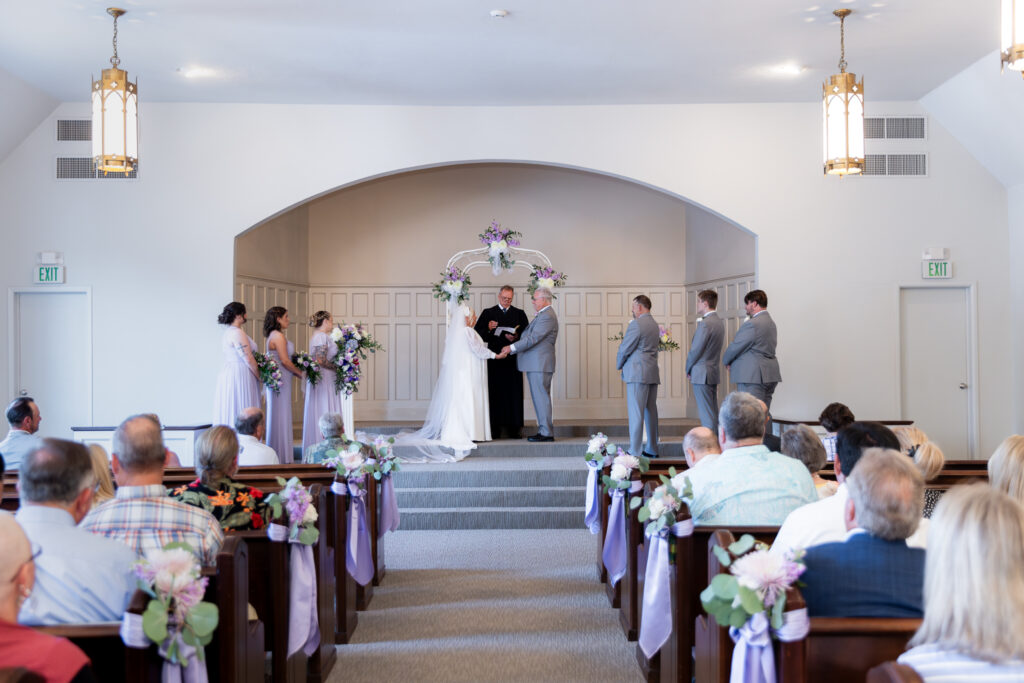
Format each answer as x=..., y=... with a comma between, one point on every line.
x=321, y=398
x=238, y=385
x=279, y=406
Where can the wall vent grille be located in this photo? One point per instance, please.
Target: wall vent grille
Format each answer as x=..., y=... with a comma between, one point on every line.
x=895, y=128
x=83, y=168
x=74, y=130
x=896, y=164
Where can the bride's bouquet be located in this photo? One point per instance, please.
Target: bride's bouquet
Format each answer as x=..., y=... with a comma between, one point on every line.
x=453, y=284
x=498, y=240
x=545, y=276
x=354, y=342
x=269, y=372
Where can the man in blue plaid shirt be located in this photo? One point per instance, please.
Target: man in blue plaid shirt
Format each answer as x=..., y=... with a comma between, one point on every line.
x=141, y=515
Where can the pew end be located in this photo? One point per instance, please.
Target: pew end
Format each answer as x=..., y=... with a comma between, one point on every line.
x=891, y=672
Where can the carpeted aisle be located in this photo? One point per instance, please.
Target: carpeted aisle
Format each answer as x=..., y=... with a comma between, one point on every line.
x=480, y=605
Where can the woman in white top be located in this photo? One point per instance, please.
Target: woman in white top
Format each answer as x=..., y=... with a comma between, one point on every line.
x=973, y=628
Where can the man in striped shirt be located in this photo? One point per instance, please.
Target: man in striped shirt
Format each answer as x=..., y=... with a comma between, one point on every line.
x=141, y=515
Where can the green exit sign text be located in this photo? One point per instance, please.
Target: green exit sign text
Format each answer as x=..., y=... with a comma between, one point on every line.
x=48, y=275
x=936, y=270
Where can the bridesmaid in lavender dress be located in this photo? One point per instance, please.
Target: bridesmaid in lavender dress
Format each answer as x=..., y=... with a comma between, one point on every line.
x=321, y=398
x=279, y=406
x=238, y=385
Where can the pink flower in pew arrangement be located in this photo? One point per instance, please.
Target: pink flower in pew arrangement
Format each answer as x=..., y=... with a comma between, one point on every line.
x=623, y=465
x=295, y=504
x=766, y=573
x=619, y=472
x=660, y=509
x=600, y=450
x=628, y=461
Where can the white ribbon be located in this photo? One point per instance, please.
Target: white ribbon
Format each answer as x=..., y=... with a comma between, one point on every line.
x=636, y=486
x=189, y=668
x=277, y=532
x=592, y=518
x=339, y=488
x=795, y=626
x=683, y=529
x=752, y=659
x=132, y=632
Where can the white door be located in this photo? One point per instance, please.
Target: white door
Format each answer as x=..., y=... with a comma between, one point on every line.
x=935, y=368
x=51, y=356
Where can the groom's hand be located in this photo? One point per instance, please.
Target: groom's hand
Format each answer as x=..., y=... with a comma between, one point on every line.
x=505, y=351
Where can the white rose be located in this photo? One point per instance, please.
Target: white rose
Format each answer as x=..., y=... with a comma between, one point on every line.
x=628, y=461
x=545, y=282
x=337, y=334
x=357, y=336
x=619, y=472
x=310, y=515
x=679, y=481
x=352, y=461
x=656, y=507
x=502, y=245
x=596, y=444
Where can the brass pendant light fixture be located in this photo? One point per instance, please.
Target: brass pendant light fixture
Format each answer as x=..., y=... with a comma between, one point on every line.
x=115, y=116
x=1012, y=36
x=843, y=114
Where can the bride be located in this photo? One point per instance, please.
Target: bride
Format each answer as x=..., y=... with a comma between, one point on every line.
x=458, y=414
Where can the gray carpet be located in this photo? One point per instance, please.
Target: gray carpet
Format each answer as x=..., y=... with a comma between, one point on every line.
x=476, y=605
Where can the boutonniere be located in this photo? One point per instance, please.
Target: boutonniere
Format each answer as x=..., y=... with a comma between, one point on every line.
x=746, y=319
x=700, y=320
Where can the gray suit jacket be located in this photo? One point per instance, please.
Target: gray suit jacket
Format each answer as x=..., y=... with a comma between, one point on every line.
x=638, y=352
x=535, y=350
x=752, y=352
x=703, y=362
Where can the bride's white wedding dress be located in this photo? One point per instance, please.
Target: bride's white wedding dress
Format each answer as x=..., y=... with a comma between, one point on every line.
x=459, y=411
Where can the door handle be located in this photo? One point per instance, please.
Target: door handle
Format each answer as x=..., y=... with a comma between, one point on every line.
x=963, y=385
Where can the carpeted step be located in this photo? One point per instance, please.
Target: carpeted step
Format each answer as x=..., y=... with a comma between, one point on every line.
x=560, y=448
x=455, y=477
x=416, y=519
x=500, y=497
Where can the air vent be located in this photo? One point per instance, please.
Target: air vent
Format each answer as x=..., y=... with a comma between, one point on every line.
x=74, y=130
x=83, y=168
x=896, y=164
x=895, y=128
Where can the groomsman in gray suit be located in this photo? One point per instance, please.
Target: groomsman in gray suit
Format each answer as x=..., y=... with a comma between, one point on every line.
x=702, y=363
x=535, y=355
x=638, y=361
x=751, y=355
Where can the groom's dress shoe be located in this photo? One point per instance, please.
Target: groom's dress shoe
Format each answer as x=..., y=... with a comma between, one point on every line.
x=539, y=437
x=650, y=455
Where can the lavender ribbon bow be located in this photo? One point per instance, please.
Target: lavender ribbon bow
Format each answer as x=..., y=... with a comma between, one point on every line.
x=614, y=553
x=389, y=515
x=303, y=628
x=752, y=659
x=592, y=520
x=656, y=616
x=188, y=670
x=358, y=560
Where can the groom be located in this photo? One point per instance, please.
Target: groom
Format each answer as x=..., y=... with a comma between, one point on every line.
x=535, y=355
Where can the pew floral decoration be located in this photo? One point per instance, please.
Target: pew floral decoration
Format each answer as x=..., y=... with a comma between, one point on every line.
x=310, y=368
x=386, y=464
x=599, y=453
x=294, y=504
x=659, y=511
x=350, y=463
x=384, y=455
x=665, y=341
x=545, y=276
x=599, y=450
x=756, y=583
x=453, y=284
x=350, y=469
x=498, y=240
x=623, y=465
x=269, y=372
x=354, y=341
x=176, y=616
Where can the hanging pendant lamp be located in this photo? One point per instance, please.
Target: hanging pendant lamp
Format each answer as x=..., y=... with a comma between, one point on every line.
x=843, y=114
x=115, y=116
x=1012, y=34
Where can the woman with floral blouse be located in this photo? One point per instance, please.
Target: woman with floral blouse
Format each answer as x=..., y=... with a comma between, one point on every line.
x=235, y=505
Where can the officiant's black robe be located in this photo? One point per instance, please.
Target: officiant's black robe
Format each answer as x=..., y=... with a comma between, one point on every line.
x=504, y=381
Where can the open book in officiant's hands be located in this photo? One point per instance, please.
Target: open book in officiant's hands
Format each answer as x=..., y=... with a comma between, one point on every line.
x=498, y=331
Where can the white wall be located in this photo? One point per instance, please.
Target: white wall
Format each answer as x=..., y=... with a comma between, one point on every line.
x=1016, y=301
x=831, y=253
x=22, y=107
x=716, y=249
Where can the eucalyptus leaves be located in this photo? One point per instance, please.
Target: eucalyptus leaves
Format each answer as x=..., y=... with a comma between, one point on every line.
x=294, y=503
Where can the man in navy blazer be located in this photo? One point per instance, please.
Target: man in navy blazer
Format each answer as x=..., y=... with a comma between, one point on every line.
x=873, y=573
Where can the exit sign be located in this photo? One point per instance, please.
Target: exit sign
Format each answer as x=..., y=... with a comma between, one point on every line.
x=936, y=270
x=48, y=275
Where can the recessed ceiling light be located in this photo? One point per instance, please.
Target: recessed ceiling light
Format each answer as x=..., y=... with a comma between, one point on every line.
x=788, y=69
x=198, y=72
x=499, y=13
x=814, y=8
x=808, y=19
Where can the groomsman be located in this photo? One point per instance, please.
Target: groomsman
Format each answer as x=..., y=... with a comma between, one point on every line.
x=504, y=381
x=535, y=355
x=702, y=363
x=751, y=355
x=638, y=361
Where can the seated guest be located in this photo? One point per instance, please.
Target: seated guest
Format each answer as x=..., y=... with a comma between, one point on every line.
x=235, y=505
x=747, y=483
x=251, y=427
x=141, y=515
x=973, y=590
x=54, y=659
x=23, y=418
x=700, y=445
x=773, y=442
x=823, y=522
x=927, y=456
x=171, y=458
x=1006, y=467
x=80, y=578
x=873, y=573
x=332, y=427
x=101, y=469
x=832, y=419
x=802, y=443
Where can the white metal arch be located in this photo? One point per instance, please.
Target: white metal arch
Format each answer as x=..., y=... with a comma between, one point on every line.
x=471, y=259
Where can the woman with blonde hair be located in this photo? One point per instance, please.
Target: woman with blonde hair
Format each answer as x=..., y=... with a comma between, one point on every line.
x=101, y=468
x=1006, y=467
x=927, y=456
x=973, y=590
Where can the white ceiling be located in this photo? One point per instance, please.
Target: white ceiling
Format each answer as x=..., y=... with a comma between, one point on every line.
x=452, y=52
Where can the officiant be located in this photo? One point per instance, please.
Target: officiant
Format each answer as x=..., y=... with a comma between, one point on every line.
x=500, y=326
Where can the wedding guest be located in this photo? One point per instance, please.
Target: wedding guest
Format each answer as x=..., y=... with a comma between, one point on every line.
x=834, y=417
x=927, y=456
x=235, y=505
x=802, y=443
x=101, y=470
x=1006, y=467
x=238, y=384
x=80, y=577
x=250, y=426
x=700, y=446
x=23, y=418
x=141, y=515
x=56, y=660
x=280, y=436
x=322, y=397
x=504, y=380
x=170, y=457
x=973, y=590
x=332, y=427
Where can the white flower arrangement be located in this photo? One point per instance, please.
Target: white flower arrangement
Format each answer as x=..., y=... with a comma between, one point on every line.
x=623, y=465
x=659, y=511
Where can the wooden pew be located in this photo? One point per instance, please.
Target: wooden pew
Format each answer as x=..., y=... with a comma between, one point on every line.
x=891, y=672
x=614, y=592
x=236, y=651
x=631, y=584
x=324, y=659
